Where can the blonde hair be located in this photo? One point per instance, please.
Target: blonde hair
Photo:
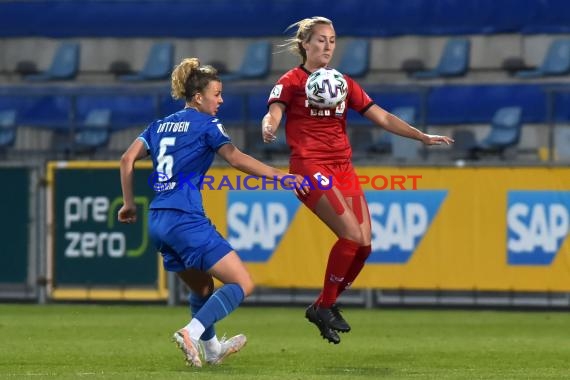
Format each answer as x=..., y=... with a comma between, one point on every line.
x=189, y=78
x=304, y=32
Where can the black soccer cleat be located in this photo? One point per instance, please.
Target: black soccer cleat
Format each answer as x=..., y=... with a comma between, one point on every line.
x=326, y=332
x=331, y=319
x=340, y=324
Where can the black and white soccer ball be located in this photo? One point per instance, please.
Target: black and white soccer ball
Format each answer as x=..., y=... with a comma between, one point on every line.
x=326, y=88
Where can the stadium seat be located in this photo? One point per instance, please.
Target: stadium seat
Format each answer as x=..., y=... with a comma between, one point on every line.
x=256, y=63
x=453, y=62
x=556, y=62
x=7, y=128
x=361, y=139
x=411, y=65
x=505, y=132
x=64, y=66
x=158, y=65
x=512, y=65
x=463, y=147
x=355, y=60
x=94, y=132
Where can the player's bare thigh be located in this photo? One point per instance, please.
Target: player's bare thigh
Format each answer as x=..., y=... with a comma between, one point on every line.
x=362, y=214
x=200, y=282
x=230, y=269
x=334, y=211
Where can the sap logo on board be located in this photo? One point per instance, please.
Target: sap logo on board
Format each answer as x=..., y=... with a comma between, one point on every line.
x=400, y=219
x=537, y=224
x=257, y=221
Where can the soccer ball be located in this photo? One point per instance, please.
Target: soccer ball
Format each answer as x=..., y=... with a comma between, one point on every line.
x=326, y=88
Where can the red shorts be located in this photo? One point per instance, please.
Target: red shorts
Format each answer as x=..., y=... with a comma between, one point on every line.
x=323, y=177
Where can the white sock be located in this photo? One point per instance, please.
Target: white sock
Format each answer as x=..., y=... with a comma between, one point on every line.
x=195, y=329
x=212, y=346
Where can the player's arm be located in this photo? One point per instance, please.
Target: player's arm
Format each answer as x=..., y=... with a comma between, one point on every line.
x=271, y=121
x=250, y=165
x=392, y=123
x=137, y=150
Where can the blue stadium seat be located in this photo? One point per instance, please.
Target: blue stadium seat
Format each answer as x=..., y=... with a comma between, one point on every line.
x=506, y=127
x=256, y=63
x=453, y=62
x=65, y=64
x=94, y=132
x=408, y=114
x=7, y=128
x=556, y=62
x=355, y=60
x=158, y=65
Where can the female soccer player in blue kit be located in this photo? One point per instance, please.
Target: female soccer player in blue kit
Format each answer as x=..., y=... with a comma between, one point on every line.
x=183, y=145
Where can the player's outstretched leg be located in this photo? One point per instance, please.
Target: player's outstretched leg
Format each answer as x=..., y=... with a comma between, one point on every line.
x=314, y=316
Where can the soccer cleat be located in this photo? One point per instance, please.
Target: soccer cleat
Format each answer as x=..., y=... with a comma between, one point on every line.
x=327, y=333
x=330, y=319
x=340, y=324
x=229, y=346
x=190, y=347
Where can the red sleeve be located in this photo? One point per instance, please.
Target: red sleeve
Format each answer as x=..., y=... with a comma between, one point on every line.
x=358, y=99
x=282, y=91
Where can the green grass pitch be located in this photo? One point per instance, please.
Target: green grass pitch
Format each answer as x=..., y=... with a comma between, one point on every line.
x=133, y=342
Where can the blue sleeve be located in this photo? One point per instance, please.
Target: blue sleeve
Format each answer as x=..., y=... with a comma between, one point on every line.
x=216, y=135
x=145, y=137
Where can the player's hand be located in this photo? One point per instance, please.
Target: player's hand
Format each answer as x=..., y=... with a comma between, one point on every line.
x=268, y=135
x=296, y=182
x=436, y=140
x=127, y=214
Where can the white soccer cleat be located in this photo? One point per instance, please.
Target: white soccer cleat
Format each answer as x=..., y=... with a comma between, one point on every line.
x=189, y=346
x=229, y=346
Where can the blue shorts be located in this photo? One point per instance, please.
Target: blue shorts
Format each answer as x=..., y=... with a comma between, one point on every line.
x=186, y=240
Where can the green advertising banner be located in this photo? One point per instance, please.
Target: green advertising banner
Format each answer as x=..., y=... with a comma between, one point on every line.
x=94, y=256
x=14, y=225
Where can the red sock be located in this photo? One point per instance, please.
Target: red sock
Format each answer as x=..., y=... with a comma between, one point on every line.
x=341, y=256
x=355, y=268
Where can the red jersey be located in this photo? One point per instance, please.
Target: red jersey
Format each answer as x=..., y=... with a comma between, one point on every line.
x=312, y=133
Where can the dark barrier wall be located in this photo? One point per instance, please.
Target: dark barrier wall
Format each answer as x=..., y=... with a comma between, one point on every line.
x=254, y=18
x=14, y=225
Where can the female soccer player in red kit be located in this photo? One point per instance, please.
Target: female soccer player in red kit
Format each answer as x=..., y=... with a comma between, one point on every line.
x=320, y=149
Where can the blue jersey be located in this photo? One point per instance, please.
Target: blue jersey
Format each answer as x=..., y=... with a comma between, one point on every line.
x=182, y=147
